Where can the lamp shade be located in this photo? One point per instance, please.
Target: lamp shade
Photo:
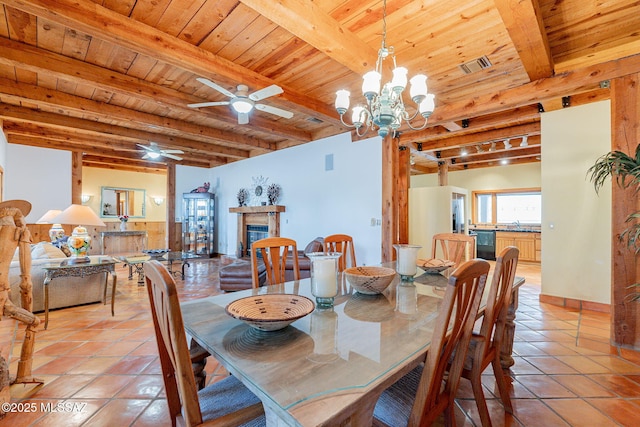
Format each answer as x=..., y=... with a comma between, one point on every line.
x=56, y=232
x=78, y=215
x=79, y=242
x=47, y=217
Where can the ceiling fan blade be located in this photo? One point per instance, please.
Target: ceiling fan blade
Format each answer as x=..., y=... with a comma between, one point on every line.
x=146, y=157
x=274, y=110
x=243, y=118
x=266, y=92
x=208, y=104
x=144, y=147
x=171, y=156
x=172, y=152
x=216, y=87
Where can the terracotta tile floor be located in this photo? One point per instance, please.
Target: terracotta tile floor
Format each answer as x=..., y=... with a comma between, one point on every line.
x=565, y=372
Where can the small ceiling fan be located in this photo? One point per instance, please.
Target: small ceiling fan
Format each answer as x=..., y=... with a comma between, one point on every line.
x=243, y=102
x=154, y=152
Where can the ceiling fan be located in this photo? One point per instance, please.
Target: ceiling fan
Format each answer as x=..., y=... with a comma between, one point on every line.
x=242, y=102
x=154, y=152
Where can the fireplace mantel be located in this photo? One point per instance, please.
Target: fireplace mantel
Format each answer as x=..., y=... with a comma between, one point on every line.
x=257, y=209
x=265, y=216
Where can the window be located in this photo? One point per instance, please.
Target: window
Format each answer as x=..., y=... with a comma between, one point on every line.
x=507, y=207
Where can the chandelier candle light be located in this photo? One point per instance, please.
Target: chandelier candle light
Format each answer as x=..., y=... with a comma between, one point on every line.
x=385, y=109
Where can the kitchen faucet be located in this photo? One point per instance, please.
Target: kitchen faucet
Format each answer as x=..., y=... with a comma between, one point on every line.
x=517, y=224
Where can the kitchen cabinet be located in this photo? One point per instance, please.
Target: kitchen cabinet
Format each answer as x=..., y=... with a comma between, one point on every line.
x=528, y=243
x=198, y=223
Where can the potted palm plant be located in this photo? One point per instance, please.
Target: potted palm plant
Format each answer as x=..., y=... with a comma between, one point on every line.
x=626, y=171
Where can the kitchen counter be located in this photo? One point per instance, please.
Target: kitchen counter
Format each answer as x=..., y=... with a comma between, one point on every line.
x=514, y=230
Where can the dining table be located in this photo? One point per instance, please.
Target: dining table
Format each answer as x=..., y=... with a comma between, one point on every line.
x=329, y=367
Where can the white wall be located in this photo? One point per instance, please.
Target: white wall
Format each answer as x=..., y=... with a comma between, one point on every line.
x=318, y=202
x=576, y=222
x=39, y=175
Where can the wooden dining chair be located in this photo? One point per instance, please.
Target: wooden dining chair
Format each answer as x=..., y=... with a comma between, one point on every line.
x=227, y=401
x=484, y=347
x=455, y=247
x=274, y=252
x=341, y=243
x=427, y=391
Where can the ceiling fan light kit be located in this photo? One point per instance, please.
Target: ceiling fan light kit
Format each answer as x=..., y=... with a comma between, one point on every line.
x=154, y=152
x=385, y=109
x=243, y=102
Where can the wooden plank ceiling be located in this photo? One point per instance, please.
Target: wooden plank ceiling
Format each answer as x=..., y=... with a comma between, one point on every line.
x=101, y=76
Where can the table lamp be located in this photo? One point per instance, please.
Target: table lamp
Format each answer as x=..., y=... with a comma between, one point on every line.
x=56, y=232
x=79, y=241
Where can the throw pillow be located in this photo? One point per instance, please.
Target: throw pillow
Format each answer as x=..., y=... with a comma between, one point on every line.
x=47, y=251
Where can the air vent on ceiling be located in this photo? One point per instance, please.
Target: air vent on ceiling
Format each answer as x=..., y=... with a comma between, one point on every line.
x=475, y=65
x=314, y=120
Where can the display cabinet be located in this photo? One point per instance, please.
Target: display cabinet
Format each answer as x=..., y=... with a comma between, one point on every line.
x=198, y=223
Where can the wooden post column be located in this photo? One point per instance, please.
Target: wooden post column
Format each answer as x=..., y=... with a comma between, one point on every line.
x=625, y=137
x=395, y=196
x=172, y=234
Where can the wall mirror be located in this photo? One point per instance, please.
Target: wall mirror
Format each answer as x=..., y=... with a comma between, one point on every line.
x=122, y=201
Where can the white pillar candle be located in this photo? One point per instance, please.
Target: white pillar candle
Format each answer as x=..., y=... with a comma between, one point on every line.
x=324, y=280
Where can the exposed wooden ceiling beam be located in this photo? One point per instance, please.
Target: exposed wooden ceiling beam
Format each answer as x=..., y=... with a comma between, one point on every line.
x=479, y=137
x=99, y=111
x=74, y=125
x=523, y=20
x=305, y=20
x=98, y=21
x=570, y=83
x=102, y=150
x=471, y=151
x=31, y=58
x=459, y=167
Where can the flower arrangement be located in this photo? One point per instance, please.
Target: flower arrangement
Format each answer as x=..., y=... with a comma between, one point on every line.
x=273, y=193
x=243, y=197
x=124, y=218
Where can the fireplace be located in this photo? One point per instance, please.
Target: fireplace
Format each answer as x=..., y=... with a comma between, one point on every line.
x=255, y=223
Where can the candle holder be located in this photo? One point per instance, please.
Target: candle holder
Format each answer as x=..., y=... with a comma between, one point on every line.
x=324, y=277
x=406, y=264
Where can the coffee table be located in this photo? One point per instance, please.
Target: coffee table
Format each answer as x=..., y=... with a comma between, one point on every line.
x=95, y=265
x=135, y=262
x=182, y=257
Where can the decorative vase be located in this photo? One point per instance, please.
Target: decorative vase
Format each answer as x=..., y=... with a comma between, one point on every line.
x=407, y=299
x=324, y=277
x=123, y=225
x=79, y=242
x=406, y=264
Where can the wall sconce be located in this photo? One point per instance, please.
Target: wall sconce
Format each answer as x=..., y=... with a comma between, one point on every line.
x=86, y=197
x=158, y=200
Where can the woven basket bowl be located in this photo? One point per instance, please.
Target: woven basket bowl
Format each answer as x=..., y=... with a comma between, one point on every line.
x=270, y=312
x=370, y=280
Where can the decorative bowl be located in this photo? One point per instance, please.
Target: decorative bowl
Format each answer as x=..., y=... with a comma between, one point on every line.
x=270, y=312
x=370, y=280
x=434, y=265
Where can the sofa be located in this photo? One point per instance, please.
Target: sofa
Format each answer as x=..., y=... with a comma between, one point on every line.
x=63, y=291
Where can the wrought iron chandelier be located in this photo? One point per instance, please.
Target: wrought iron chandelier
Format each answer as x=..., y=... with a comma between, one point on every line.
x=385, y=109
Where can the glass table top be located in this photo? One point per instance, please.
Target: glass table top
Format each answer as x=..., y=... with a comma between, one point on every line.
x=350, y=346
